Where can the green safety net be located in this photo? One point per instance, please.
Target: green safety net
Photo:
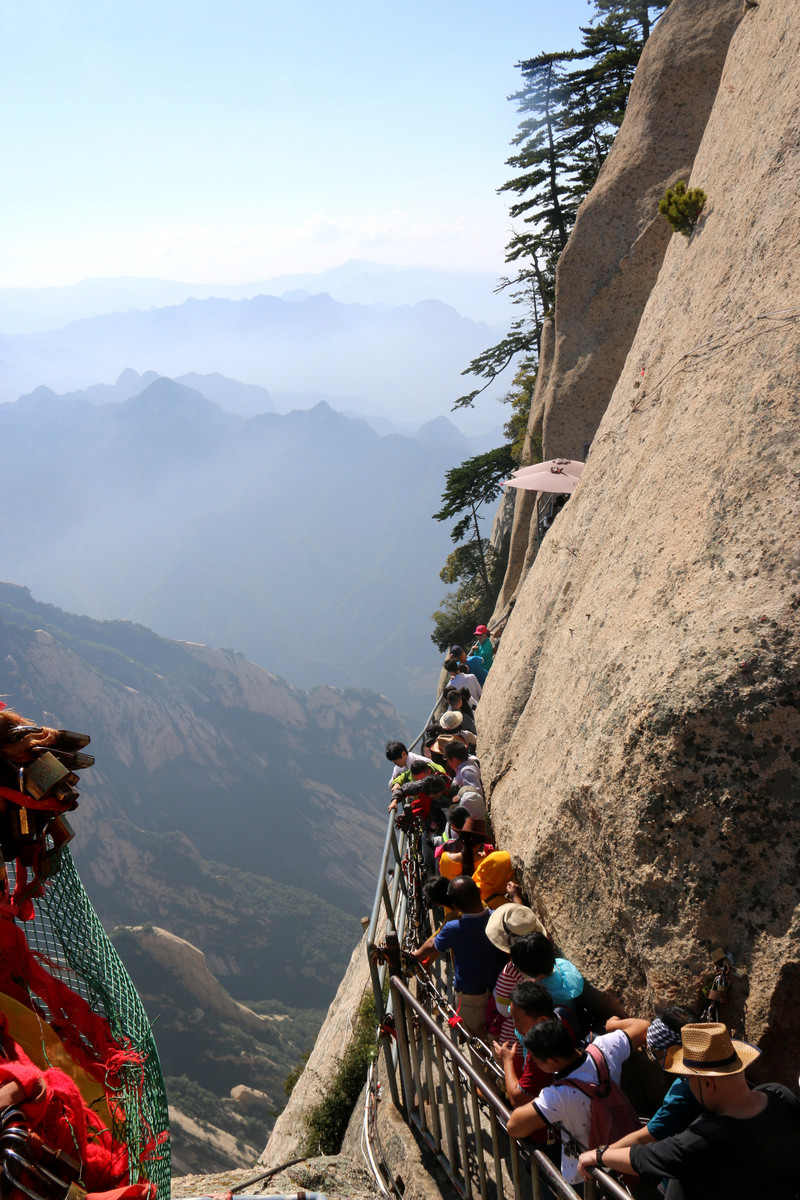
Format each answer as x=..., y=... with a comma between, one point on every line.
x=67, y=937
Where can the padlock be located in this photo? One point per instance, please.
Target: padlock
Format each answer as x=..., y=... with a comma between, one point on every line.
x=24, y=831
x=60, y=831
x=719, y=991
x=74, y=760
x=67, y=740
x=45, y=776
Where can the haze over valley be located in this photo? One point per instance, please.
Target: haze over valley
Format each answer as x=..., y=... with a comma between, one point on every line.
x=187, y=546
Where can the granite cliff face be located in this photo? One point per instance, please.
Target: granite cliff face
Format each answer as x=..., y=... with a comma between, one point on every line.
x=640, y=729
x=614, y=254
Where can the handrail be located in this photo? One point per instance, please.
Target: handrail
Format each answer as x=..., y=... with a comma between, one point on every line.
x=429, y=1060
x=421, y=733
x=423, y=1058
x=418, y=1080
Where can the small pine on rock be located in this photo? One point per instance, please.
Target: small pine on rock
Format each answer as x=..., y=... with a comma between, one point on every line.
x=682, y=207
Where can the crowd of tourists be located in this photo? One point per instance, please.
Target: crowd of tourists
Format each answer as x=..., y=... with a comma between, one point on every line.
x=712, y=1135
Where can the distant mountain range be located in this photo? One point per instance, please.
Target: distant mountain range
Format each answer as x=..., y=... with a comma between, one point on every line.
x=400, y=360
x=34, y=310
x=244, y=398
x=249, y=400
x=303, y=540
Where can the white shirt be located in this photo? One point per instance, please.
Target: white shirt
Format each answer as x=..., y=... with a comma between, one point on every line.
x=413, y=760
x=571, y=1107
x=470, y=683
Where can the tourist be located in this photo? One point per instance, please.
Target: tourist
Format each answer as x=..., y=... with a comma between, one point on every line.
x=745, y=1144
x=452, y=727
x=476, y=962
x=459, y=680
x=561, y=1103
x=490, y=869
x=458, y=701
x=464, y=767
x=470, y=665
x=421, y=768
x=529, y=1005
x=535, y=958
x=401, y=759
x=508, y=923
x=483, y=646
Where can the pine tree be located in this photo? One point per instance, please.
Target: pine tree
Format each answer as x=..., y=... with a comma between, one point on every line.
x=572, y=104
x=474, y=564
x=570, y=119
x=547, y=211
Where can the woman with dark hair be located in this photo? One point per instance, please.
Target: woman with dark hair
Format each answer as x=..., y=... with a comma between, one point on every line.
x=535, y=958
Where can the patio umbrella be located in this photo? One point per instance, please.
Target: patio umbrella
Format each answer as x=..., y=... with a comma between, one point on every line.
x=555, y=475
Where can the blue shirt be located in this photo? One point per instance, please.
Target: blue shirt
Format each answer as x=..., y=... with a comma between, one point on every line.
x=475, y=667
x=476, y=961
x=678, y=1109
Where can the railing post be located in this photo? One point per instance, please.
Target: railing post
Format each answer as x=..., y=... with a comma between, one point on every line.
x=406, y=1080
x=393, y=951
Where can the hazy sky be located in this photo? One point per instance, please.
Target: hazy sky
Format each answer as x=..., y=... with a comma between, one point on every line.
x=229, y=141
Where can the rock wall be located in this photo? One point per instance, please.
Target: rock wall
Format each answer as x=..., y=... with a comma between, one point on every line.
x=640, y=727
x=289, y=1134
x=614, y=254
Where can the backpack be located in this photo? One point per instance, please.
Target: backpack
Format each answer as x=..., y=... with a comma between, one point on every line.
x=612, y=1114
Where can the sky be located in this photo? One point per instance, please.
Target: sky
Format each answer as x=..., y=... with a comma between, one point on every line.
x=227, y=142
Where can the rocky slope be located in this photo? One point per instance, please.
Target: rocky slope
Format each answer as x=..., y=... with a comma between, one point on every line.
x=201, y=744
x=617, y=246
x=238, y=815
x=640, y=728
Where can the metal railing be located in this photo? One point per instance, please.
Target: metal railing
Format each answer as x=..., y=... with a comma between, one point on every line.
x=445, y=1088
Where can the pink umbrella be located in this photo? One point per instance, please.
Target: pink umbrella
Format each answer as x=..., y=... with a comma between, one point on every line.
x=555, y=475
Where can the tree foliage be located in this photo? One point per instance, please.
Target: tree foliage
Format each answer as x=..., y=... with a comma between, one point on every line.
x=682, y=207
x=572, y=103
x=469, y=605
x=475, y=482
x=475, y=566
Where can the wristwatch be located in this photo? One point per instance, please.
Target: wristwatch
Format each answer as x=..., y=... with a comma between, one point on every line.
x=599, y=1152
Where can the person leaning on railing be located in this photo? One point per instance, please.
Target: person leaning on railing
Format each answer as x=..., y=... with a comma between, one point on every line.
x=476, y=962
x=745, y=1145
x=401, y=758
x=561, y=1103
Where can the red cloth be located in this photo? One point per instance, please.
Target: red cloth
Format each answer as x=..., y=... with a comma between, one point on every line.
x=55, y=1110
x=53, y=1106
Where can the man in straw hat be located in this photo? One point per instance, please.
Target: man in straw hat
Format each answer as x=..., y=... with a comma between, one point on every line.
x=745, y=1145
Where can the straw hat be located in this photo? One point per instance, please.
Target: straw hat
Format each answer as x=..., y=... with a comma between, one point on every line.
x=511, y=921
x=708, y=1049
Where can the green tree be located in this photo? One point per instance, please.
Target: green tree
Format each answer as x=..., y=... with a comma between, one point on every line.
x=470, y=604
x=572, y=104
x=544, y=204
x=520, y=398
x=469, y=486
x=474, y=565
